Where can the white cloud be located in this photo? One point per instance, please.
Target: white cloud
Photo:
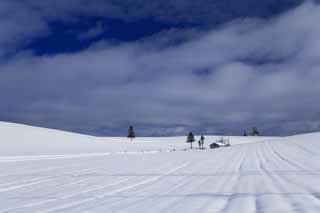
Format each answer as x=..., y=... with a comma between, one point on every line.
x=24, y=20
x=262, y=73
x=18, y=24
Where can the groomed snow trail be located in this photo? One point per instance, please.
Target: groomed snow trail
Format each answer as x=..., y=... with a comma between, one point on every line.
x=272, y=176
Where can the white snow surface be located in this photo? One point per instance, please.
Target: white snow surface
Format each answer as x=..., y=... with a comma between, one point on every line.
x=46, y=170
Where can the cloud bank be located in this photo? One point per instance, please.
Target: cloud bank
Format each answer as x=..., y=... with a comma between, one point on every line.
x=249, y=72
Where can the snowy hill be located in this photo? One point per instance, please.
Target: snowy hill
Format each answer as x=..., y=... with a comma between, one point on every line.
x=17, y=140
x=53, y=171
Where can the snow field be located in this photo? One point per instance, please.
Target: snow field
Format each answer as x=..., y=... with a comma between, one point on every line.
x=257, y=175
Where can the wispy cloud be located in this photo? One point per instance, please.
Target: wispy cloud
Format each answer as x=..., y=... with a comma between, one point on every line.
x=93, y=33
x=18, y=24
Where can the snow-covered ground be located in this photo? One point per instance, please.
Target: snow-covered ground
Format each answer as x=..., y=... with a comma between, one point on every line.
x=53, y=171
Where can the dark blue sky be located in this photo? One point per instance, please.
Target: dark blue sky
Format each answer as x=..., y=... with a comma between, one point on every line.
x=166, y=67
x=66, y=37
x=63, y=36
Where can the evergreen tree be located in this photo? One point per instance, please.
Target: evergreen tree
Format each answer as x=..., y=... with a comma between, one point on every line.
x=190, y=139
x=202, y=141
x=131, y=133
x=255, y=131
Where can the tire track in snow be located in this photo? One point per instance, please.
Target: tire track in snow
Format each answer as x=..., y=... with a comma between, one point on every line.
x=84, y=155
x=37, y=171
x=48, y=201
x=73, y=195
x=237, y=202
x=119, y=200
x=49, y=157
x=39, y=203
x=34, y=181
x=84, y=171
x=184, y=183
x=304, y=149
x=285, y=185
x=41, y=180
x=230, y=182
x=186, y=180
x=19, y=182
x=302, y=190
x=125, y=206
x=277, y=201
x=122, y=189
x=285, y=159
x=225, y=166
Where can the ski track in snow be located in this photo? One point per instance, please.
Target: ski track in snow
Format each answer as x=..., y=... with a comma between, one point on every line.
x=271, y=176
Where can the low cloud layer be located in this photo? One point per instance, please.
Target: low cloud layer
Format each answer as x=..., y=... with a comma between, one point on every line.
x=250, y=72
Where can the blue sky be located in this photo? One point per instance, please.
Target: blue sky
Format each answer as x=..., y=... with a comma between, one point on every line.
x=212, y=67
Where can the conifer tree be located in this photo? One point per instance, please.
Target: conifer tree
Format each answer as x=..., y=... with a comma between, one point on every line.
x=131, y=133
x=190, y=139
x=255, y=131
x=202, y=141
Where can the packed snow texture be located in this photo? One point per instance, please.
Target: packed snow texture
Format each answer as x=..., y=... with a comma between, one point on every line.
x=53, y=171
